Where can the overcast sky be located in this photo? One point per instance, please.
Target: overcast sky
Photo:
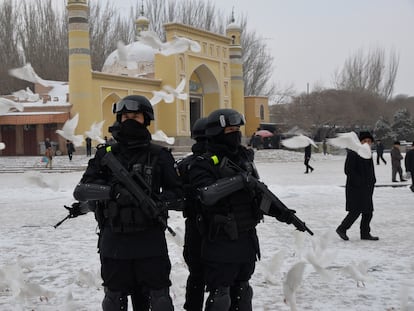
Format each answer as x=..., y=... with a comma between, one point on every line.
x=310, y=39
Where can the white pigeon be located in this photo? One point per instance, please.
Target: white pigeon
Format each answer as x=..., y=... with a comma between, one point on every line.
x=70, y=304
x=27, y=73
x=42, y=180
x=357, y=272
x=291, y=283
x=272, y=267
x=88, y=279
x=298, y=141
x=176, y=46
x=68, y=131
x=178, y=91
x=159, y=135
x=180, y=45
x=299, y=242
x=95, y=132
x=122, y=53
x=2, y=146
x=351, y=141
x=6, y=105
x=161, y=95
x=26, y=94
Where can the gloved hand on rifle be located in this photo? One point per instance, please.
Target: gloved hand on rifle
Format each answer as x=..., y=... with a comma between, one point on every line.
x=77, y=209
x=121, y=195
x=285, y=215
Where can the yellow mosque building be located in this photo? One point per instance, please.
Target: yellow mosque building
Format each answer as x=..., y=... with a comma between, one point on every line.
x=213, y=79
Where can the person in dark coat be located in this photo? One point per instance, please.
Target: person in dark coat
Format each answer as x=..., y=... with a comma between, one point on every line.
x=132, y=244
x=409, y=165
x=396, y=158
x=379, y=146
x=359, y=189
x=70, y=149
x=195, y=288
x=88, y=141
x=308, y=153
x=230, y=245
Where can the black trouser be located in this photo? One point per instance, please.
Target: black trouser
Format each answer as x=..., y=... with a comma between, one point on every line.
x=380, y=156
x=307, y=165
x=136, y=277
x=194, y=295
x=352, y=217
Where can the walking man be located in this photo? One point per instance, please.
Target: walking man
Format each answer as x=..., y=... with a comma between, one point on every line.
x=409, y=165
x=396, y=158
x=380, y=152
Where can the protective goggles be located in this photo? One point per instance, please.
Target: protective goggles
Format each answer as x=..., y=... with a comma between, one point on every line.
x=127, y=105
x=235, y=119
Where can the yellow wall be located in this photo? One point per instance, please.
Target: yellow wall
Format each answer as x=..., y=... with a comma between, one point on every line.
x=253, y=106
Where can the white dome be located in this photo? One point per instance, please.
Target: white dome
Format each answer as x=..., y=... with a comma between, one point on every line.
x=135, y=59
x=233, y=26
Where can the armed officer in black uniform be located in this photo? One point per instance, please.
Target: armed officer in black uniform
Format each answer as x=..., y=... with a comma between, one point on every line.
x=230, y=244
x=132, y=245
x=194, y=296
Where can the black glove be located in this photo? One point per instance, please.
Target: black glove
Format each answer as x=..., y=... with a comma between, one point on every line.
x=285, y=215
x=121, y=195
x=77, y=209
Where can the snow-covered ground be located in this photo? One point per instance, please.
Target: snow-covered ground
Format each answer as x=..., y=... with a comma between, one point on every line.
x=43, y=268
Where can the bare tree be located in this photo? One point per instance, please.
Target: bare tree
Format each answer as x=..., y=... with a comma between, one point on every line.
x=368, y=72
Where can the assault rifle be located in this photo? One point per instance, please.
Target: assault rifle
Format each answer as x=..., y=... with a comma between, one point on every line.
x=223, y=187
x=77, y=209
x=141, y=199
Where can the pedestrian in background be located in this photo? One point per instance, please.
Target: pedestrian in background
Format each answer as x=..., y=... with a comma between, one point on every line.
x=359, y=188
x=409, y=165
x=49, y=156
x=88, y=141
x=70, y=149
x=396, y=158
x=308, y=154
x=379, y=146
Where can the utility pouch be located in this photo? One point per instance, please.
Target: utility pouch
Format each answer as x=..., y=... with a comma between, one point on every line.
x=223, y=224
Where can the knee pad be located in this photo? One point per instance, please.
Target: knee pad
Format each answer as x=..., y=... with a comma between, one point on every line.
x=114, y=301
x=219, y=299
x=241, y=297
x=160, y=300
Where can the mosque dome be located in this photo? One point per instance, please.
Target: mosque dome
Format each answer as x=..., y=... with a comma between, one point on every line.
x=233, y=26
x=135, y=60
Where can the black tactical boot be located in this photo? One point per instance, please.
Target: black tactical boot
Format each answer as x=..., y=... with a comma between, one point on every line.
x=342, y=233
x=369, y=237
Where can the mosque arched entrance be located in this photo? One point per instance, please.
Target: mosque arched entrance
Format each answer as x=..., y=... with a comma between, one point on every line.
x=204, y=93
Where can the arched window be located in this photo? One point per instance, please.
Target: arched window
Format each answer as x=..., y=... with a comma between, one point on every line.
x=261, y=112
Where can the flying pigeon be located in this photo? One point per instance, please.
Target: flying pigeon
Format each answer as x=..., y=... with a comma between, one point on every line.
x=95, y=132
x=272, y=267
x=357, y=272
x=122, y=53
x=298, y=141
x=180, y=45
x=161, y=136
x=2, y=146
x=26, y=94
x=68, y=131
x=27, y=73
x=40, y=180
x=6, y=105
x=351, y=141
x=176, y=46
x=178, y=91
x=161, y=95
x=291, y=284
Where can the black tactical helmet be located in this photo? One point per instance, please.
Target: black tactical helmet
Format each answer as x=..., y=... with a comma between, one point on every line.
x=221, y=118
x=134, y=103
x=199, y=128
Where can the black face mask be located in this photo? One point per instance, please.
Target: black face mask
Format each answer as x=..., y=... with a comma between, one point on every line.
x=231, y=140
x=131, y=131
